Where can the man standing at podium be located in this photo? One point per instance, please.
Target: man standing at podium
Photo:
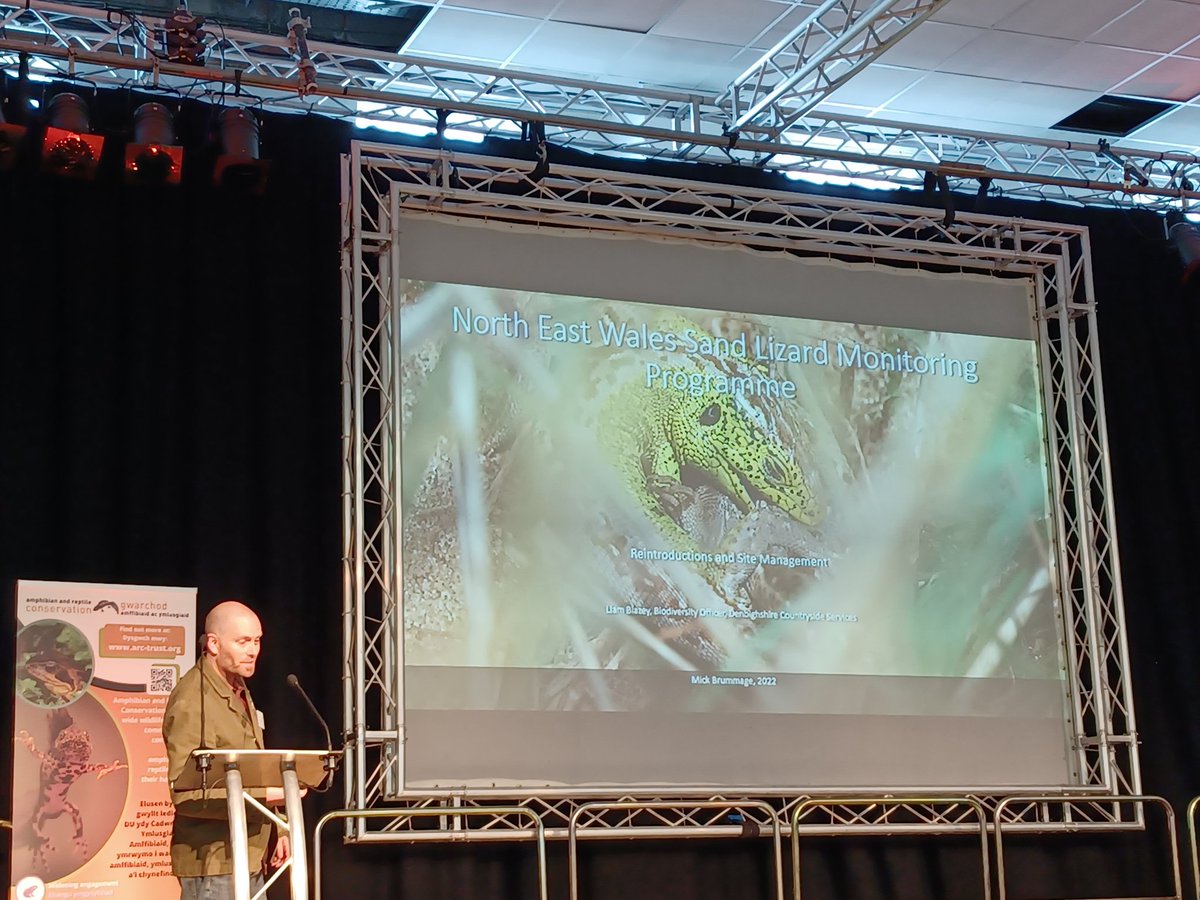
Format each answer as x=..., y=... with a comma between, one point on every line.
x=211, y=707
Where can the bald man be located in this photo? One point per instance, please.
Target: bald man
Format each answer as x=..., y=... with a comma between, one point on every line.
x=200, y=855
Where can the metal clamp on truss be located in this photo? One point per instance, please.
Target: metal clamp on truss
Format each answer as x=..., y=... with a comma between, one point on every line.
x=298, y=29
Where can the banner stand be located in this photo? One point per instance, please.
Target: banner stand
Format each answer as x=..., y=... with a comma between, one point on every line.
x=95, y=663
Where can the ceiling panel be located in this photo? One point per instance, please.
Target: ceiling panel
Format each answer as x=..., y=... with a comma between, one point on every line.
x=534, y=9
x=982, y=13
x=471, y=35
x=624, y=15
x=1007, y=55
x=875, y=86
x=674, y=62
x=999, y=66
x=574, y=49
x=1064, y=18
x=986, y=103
x=1094, y=67
x=929, y=45
x=1161, y=25
x=1173, y=78
x=1178, y=129
x=718, y=21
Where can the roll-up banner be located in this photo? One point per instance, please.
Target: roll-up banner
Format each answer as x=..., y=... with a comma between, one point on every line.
x=94, y=666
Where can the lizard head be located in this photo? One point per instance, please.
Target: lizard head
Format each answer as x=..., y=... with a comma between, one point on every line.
x=712, y=433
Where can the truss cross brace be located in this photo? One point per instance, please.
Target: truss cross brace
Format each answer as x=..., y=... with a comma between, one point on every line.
x=835, y=41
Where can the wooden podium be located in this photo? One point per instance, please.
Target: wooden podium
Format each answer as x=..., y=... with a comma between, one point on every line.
x=237, y=771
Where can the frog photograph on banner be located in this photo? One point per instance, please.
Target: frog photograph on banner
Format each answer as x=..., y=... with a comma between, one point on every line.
x=595, y=485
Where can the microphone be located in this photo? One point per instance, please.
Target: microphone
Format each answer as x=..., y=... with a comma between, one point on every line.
x=294, y=683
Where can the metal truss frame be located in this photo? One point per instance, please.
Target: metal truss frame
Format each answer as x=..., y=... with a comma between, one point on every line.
x=837, y=40
x=381, y=181
x=1064, y=809
x=889, y=814
x=115, y=49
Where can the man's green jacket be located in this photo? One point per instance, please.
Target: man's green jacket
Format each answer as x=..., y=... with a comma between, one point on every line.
x=200, y=838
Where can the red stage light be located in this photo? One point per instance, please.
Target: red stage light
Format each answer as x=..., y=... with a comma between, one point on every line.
x=70, y=153
x=68, y=148
x=153, y=158
x=153, y=164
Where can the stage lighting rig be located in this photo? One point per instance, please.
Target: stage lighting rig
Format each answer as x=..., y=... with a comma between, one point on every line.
x=153, y=158
x=238, y=166
x=184, y=36
x=69, y=148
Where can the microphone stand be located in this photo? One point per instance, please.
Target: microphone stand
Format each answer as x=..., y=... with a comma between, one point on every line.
x=203, y=761
x=330, y=759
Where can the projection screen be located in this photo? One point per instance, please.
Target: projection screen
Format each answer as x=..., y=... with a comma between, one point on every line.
x=678, y=515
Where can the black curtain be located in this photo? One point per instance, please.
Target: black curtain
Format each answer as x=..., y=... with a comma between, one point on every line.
x=170, y=414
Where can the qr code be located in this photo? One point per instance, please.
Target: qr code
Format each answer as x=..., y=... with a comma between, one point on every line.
x=162, y=679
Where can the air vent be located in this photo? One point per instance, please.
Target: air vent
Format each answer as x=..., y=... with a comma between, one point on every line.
x=1114, y=116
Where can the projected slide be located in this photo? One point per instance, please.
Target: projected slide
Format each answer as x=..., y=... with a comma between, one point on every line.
x=620, y=518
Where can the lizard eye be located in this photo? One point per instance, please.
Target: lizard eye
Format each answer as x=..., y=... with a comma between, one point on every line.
x=772, y=470
x=711, y=414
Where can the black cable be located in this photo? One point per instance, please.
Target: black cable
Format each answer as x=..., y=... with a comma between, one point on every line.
x=203, y=763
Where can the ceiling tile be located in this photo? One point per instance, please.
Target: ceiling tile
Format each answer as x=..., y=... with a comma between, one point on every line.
x=981, y=13
x=996, y=66
x=1179, y=130
x=471, y=35
x=1064, y=18
x=929, y=45
x=623, y=15
x=985, y=103
x=529, y=9
x=1093, y=67
x=718, y=21
x=875, y=85
x=1007, y=55
x=675, y=62
x=1160, y=25
x=1172, y=78
x=574, y=49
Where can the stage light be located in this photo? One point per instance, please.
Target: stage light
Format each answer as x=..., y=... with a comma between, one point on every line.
x=152, y=158
x=1185, y=238
x=238, y=166
x=69, y=149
